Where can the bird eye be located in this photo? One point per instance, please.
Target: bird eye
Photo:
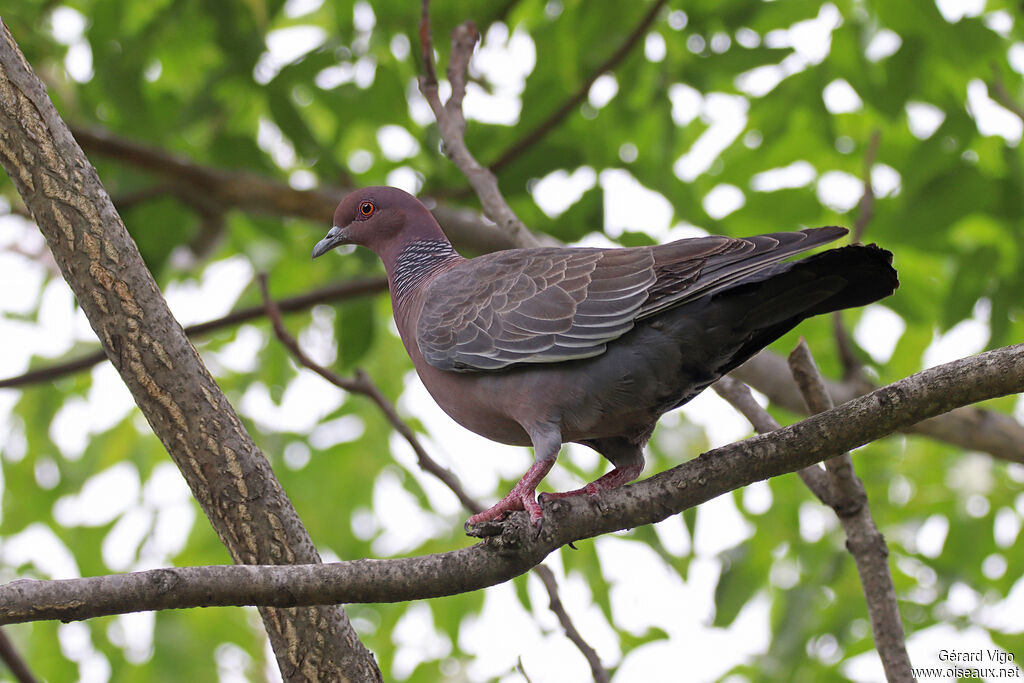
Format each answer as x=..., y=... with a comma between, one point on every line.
x=367, y=209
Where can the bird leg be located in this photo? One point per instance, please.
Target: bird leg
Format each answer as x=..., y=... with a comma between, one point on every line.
x=523, y=496
x=628, y=459
x=613, y=480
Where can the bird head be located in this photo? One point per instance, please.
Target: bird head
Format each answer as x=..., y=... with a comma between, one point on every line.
x=383, y=219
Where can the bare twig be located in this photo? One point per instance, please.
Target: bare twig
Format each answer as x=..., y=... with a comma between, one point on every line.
x=259, y=195
x=1003, y=96
x=519, y=547
x=555, y=603
x=863, y=540
x=538, y=132
x=14, y=661
x=452, y=124
x=853, y=369
x=343, y=290
x=362, y=384
x=738, y=395
x=866, y=206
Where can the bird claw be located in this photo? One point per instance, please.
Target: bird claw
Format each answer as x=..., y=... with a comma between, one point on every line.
x=484, y=523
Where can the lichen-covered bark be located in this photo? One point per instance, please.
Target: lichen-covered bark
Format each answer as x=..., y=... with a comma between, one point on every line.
x=227, y=473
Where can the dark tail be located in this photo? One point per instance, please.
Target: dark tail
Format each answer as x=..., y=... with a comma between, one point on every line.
x=778, y=298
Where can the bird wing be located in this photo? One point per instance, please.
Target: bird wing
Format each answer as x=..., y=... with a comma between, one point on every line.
x=683, y=276
x=555, y=304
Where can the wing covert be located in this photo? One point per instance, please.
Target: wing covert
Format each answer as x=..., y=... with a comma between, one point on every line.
x=532, y=306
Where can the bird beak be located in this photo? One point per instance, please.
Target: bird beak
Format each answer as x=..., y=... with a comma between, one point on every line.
x=335, y=237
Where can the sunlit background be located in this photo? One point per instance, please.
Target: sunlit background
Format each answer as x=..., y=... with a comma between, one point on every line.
x=150, y=519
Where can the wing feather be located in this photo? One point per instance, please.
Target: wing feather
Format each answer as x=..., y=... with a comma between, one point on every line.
x=551, y=304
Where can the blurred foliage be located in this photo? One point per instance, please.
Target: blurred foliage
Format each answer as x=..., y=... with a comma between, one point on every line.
x=196, y=79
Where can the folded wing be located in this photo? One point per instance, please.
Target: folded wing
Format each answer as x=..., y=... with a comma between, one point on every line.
x=555, y=304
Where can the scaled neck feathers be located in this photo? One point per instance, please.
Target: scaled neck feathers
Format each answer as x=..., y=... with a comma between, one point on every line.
x=417, y=263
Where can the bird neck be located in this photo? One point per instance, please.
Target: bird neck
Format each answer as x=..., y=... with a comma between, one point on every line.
x=417, y=263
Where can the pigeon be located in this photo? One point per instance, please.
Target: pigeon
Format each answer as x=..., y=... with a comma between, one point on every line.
x=549, y=345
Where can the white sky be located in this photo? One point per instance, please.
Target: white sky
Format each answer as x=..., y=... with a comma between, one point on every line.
x=644, y=593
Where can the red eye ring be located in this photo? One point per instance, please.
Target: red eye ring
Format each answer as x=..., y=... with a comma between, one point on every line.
x=366, y=209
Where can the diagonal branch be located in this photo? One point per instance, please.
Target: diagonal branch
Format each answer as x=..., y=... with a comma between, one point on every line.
x=337, y=292
x=363, y=385
x=520, y=546
x=259, y=195
x=597, y=669
x=863, y=540
x=452, y=124
x=738, y=395
x=14, y=661
x=541, y=130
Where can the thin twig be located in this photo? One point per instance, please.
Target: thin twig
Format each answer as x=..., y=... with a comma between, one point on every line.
x=547, y=577
x=10, y=656
x=362, y=384
x=739, y=396
x=343, y=290
x=538, y=132
x=1004, y=98
x=866, y=206
x=255, y=194
x=863, y=540
x=853, y=369
x=452, y=124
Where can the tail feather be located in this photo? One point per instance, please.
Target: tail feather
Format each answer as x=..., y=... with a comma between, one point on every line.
x=779, y=298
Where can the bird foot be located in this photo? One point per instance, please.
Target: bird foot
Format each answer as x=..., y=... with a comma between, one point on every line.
x=614, y=479
x=590, y=489
x=518, y=499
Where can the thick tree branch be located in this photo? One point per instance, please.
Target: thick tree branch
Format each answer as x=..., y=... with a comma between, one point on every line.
x=362, y=384
x=541, y=130
x=520, y=546
x=738, y=395
x=972, y=428
x=452, y=124
x=865, y=543
x=190, y=415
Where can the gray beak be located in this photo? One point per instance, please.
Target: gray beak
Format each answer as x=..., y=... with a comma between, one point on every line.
x=335, y=237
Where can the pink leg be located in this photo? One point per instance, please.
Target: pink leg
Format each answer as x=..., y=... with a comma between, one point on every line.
x=614, y=479
x=547, y=439
x=523, y=496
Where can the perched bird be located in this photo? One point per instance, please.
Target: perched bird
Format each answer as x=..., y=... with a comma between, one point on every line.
x=550, y=345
